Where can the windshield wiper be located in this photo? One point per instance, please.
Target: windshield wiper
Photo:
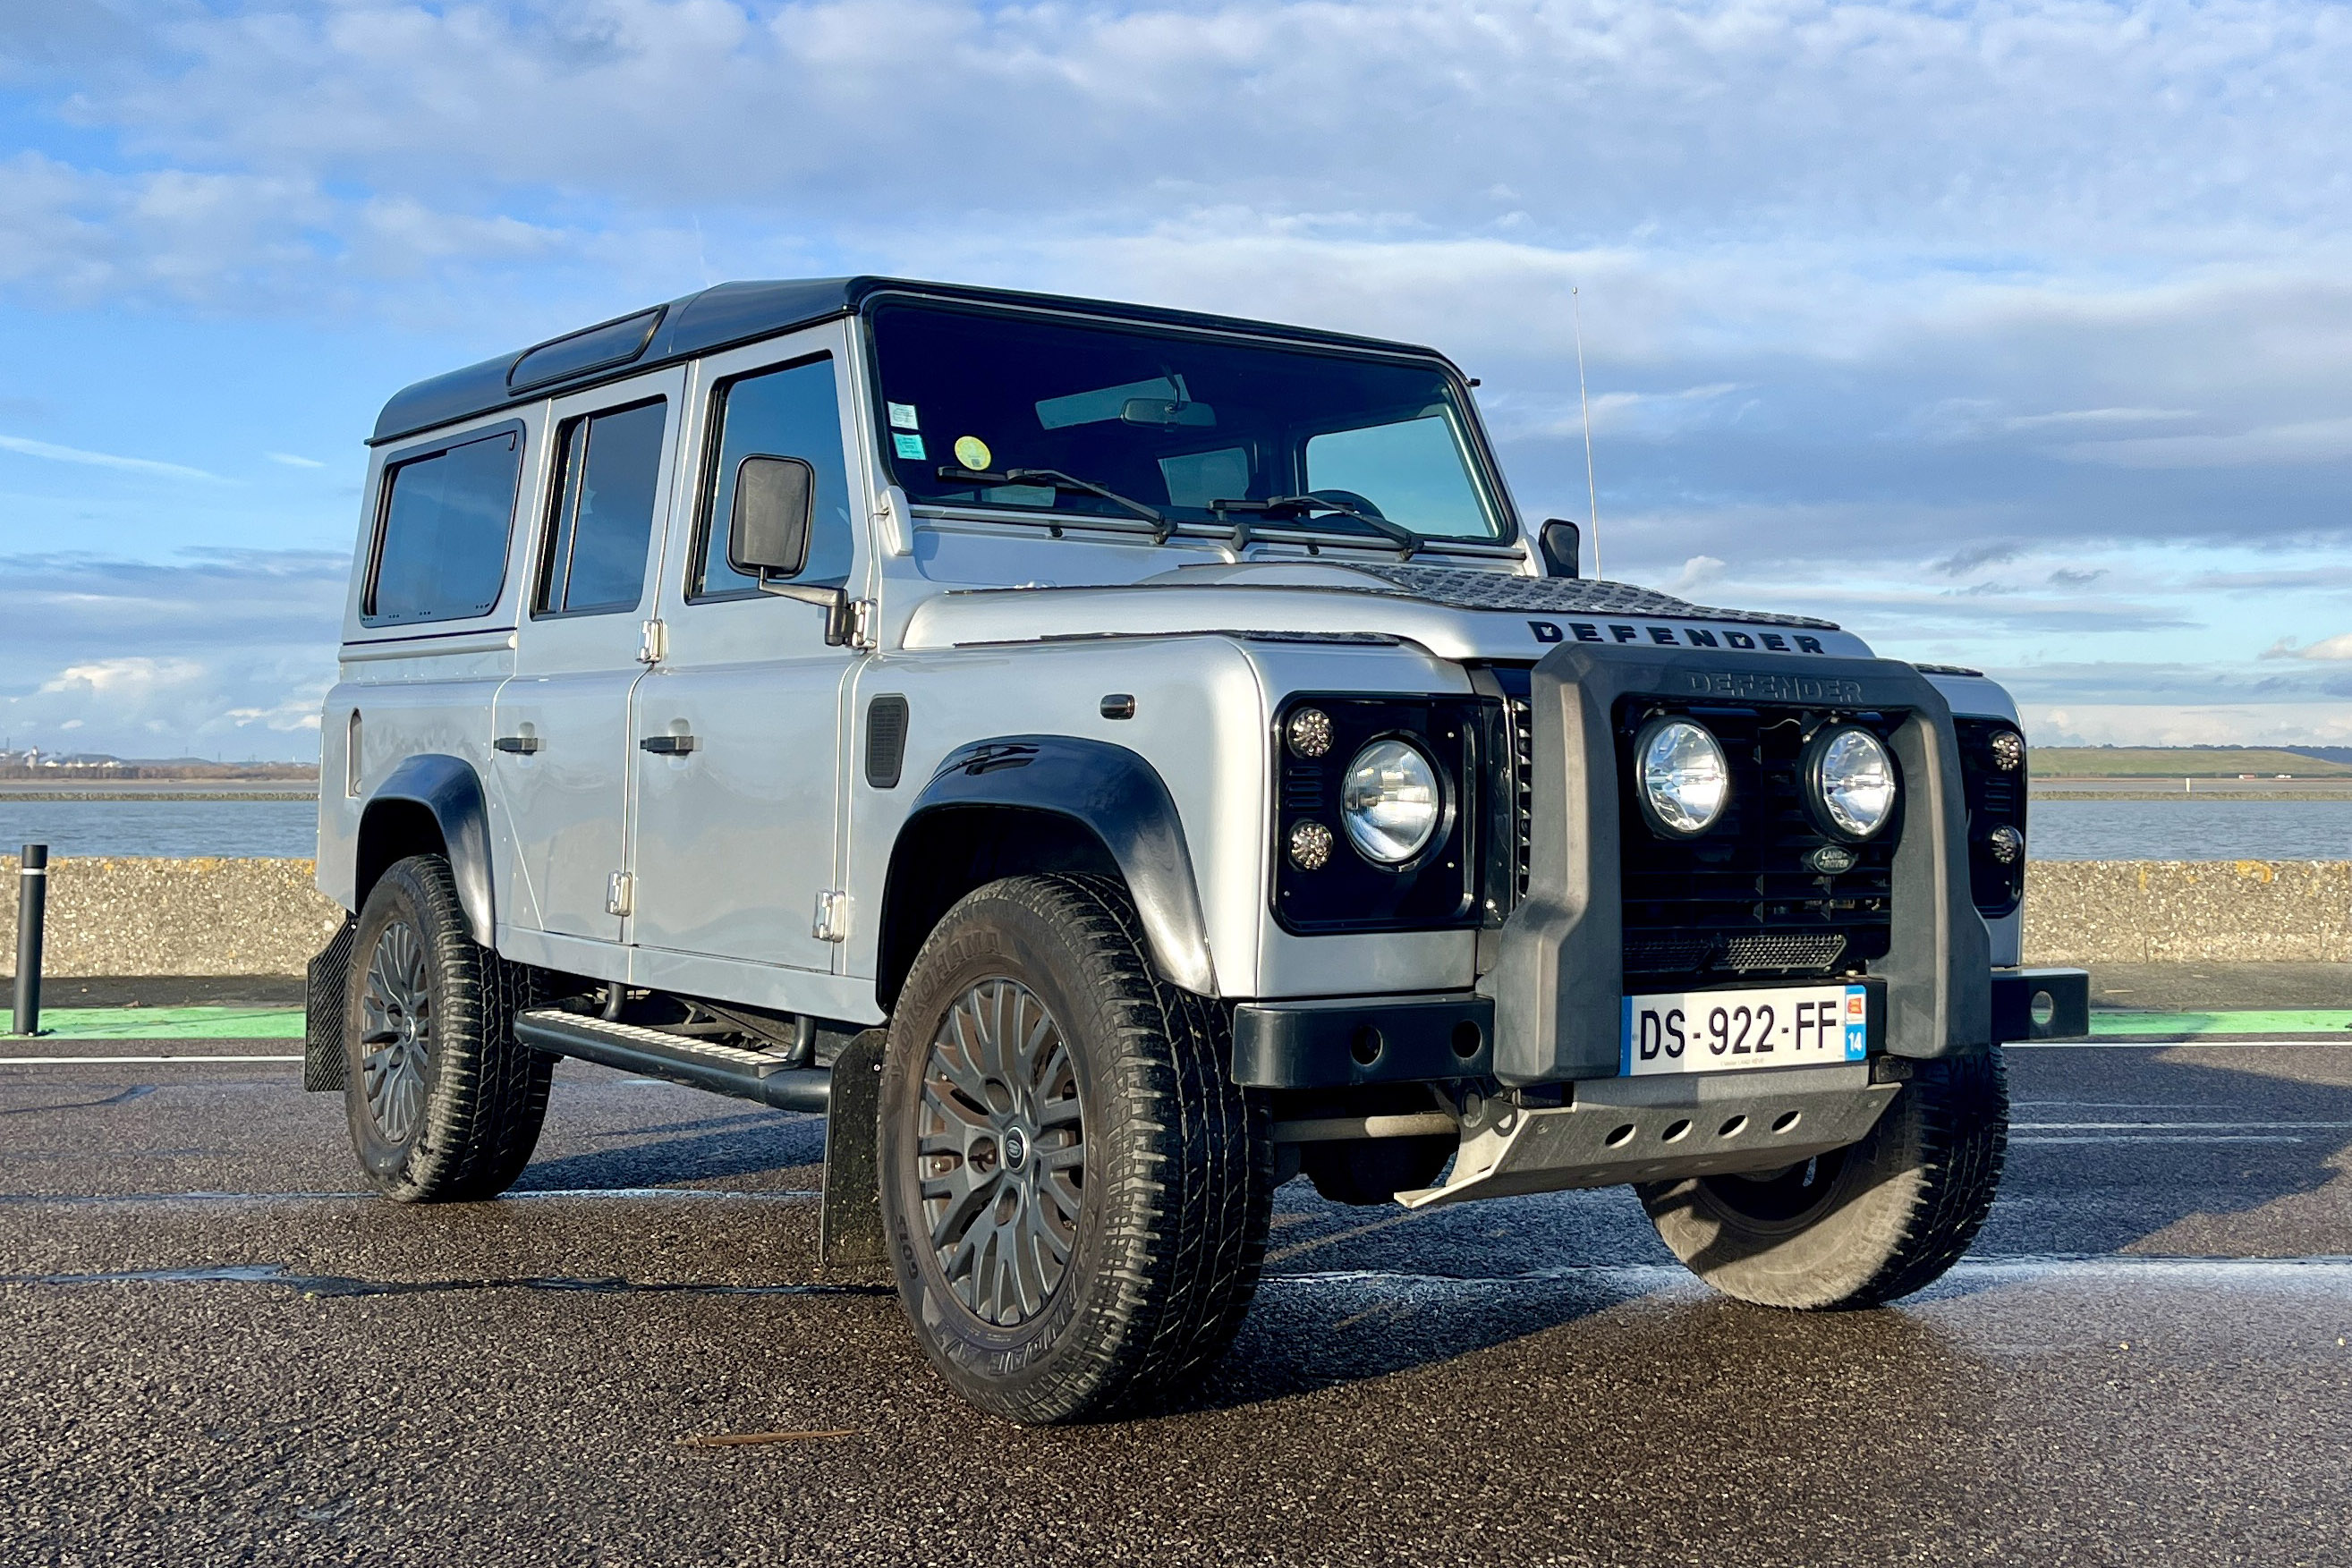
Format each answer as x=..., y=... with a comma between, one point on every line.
x=1055, y=479
x=1278, y=506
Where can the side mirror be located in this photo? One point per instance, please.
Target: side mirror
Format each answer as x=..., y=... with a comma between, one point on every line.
x=767, y=529
x=1560, y=544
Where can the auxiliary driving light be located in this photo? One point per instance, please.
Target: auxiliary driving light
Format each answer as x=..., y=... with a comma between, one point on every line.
x=2008, y=750
x=1685, y=779
x=1849, y=782
x=2007, y=844
x=1390, y=802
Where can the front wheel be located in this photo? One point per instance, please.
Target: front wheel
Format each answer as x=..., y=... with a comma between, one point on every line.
x=1075, y=1194
x=444, y=1104
x=1861, y=1226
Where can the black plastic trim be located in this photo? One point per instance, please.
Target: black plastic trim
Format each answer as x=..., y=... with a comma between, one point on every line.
x=1117, y=797
x=1335, y=1043
x=449, y=788
x=886, y=740
x=1557, y=983
x=2013, y=991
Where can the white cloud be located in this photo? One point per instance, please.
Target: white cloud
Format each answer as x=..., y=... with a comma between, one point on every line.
x=2250, y=723
x=55, y=454
x=291, y=461
x=2332, y=649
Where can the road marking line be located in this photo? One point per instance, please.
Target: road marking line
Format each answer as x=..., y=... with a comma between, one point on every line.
x=123, y=1060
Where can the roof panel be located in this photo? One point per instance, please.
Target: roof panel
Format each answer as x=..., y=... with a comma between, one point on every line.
x=732, y=313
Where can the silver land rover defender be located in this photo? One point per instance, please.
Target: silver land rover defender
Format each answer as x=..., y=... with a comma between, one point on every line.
x=1112, y=761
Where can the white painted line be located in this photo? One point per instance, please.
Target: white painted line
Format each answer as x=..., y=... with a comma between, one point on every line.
x=119, y=1061
x=2179, y=1126
x=2159, y=1138
x=2137, y=1040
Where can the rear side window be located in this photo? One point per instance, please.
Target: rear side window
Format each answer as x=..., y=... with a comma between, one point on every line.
x=441, y=536
x=603, y=529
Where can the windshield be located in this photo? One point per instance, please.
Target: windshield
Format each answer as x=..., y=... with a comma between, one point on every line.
x=1171, y=424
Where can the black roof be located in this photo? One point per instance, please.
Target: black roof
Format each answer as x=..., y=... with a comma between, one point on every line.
x=732, y=313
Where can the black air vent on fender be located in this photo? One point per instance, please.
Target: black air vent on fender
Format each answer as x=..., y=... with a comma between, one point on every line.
x=886, y=741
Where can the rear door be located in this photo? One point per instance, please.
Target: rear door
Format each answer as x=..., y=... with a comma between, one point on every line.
x=738, y=763
x=563, y=751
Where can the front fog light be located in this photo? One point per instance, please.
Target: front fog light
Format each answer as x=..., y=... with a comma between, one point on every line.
x=2008, y=750
x=1686, y=781
x=1390, y=802
x=2007, y=844
x=1850, y=782
x=1310, y=846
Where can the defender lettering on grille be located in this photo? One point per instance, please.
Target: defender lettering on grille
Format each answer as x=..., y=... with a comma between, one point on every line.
x=1771, y=688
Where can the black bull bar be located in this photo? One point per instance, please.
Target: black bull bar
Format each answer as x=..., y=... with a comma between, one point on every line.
x=1558, y=983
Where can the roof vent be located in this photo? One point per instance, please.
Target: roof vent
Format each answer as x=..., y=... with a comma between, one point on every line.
x=596, y=348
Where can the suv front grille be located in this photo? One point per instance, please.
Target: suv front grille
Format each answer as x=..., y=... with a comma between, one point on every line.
x=1740, y=900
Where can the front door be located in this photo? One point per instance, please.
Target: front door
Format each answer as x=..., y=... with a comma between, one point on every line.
x=563, y=720
x=738, y=725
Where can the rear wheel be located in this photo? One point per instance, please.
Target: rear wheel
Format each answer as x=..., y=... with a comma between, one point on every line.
x=1075, y=1194
x=1861, y=1226
x=443, y=1103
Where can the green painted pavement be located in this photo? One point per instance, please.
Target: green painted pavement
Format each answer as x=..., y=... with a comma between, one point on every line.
x=2308, y=1020
x=171, y=1023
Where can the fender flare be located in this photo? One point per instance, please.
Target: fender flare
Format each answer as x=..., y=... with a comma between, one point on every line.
x=1117, y=796
x=447, y=788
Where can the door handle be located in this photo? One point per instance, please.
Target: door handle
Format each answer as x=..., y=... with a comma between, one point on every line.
x=518, y=745
x=667, y=745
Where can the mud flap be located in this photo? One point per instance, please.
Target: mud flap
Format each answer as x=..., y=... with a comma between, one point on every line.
x=849, y=1221
x=323, y=1001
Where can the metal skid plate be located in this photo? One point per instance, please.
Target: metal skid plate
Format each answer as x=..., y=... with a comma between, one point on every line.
x=1622, y=1130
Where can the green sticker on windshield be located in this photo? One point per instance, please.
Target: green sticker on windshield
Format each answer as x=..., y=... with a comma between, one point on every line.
x=902, y=417
x=908, y=446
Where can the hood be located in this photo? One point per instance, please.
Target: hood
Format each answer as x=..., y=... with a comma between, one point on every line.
x=1452, y=612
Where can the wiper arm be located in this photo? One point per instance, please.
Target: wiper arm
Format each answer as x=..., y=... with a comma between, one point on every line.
x=1403, y=538
x=1058, y=480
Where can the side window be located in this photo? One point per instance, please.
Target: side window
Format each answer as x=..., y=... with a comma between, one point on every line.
x=607, y=488
x=790, y=412
x=441, y=533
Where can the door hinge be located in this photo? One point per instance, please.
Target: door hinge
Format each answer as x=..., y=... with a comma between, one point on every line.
x=654, y=645
x=832, y=923
x=857, y=616
x=621, y=894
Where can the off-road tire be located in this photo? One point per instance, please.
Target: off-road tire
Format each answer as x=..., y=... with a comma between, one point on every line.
x=473, y=1123
x=1176, y=1172
x=1875, y=1221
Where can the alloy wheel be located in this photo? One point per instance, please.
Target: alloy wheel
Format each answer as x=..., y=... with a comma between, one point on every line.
x=1001, y=1152
x=396, y=1031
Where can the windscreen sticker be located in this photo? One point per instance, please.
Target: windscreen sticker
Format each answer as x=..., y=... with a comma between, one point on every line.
x=908, y=446
x=972, y=452
x=902, y=416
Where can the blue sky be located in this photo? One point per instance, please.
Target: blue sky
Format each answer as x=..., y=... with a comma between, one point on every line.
x=2012, y=334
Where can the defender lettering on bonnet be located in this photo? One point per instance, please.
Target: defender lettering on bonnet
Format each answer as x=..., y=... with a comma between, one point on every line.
x=1665, y=636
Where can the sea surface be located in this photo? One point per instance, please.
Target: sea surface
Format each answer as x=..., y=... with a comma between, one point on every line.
x=2060, y=829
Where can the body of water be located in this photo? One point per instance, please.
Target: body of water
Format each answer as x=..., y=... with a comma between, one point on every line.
x=2189, y=830
x=178, y=830
x=2062, y=829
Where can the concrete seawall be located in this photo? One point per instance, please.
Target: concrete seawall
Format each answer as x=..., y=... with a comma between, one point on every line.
x=124, y=916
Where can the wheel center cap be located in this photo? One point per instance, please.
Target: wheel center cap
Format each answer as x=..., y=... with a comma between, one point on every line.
x=1016, y=1149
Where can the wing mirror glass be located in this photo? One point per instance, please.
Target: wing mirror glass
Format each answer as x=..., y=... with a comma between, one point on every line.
x=1562, y=544
x=1167, y=414
x=767, y=529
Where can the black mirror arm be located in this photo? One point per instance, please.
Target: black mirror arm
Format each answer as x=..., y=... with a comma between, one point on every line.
x=834, y=601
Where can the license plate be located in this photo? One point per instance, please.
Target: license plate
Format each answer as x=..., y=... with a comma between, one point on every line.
x=1720, y=1031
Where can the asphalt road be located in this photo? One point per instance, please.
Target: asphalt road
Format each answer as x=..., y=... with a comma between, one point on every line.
x=212, y=1349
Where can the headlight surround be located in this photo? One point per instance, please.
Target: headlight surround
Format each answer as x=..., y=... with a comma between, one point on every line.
x=1681, y=776
x=1850, y=786
x=1391, y=801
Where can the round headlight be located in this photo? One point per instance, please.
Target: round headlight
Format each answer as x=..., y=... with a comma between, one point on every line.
x=1851, y=782
x=1391, y=802
x=1684, y=781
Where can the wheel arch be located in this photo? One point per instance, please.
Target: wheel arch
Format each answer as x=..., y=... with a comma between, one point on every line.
x=1026, y=804
x=431, y=804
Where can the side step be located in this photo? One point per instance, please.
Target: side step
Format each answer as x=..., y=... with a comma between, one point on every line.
x=680, y=1058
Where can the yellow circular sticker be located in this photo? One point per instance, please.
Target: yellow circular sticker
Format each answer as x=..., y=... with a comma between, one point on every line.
x=972, y=452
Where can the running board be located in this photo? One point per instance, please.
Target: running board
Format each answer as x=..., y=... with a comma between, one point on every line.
x=678, y=1058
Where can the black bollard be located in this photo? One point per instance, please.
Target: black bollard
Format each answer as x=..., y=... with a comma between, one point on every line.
x=32, y=910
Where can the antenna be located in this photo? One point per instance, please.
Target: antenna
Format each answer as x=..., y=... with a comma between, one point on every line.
x=1591, y=495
